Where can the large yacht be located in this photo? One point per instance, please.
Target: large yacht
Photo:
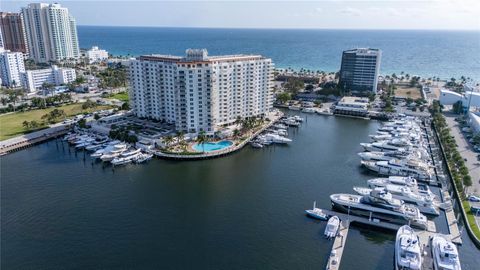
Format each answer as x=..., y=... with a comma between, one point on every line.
x=425, y=204
x=115, y=152
x=383, y=156
x=407, y=181
x=383, y=146
x=408, y=254
x=360, y=206
x=445, y=254
x=415, y=168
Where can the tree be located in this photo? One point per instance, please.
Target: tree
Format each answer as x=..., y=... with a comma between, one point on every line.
x=179, y=136
x=88, y=104
x=168, y=141
x=26, y=124
x=236, y=133
x=284, y=97
x=125, y=106
x=467, y=180
x=202, y=139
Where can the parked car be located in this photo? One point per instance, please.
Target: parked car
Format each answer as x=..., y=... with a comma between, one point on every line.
x=473, y=198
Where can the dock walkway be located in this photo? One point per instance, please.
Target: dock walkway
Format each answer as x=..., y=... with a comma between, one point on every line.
x=338, y=246
x=341, y=239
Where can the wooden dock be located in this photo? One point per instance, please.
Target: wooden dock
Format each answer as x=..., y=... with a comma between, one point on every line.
x=338, y=245
x=455, y=234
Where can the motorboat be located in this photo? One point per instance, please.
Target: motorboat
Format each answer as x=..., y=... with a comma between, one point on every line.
x=383, y=156
x=297, y=118
x=142, y=158
x=425, y=204
x=291, y=122
x=379, y=197
x=407, y=181
x=131, y=152
x=115, y=152
x=332, y=227
x=294, y=108
x=360, y=206
x=395, y=167
x=277, y=138
x=445, y=254
x=408, y=254
x=256, y=145
x=121, y=160
x=309, y=110
x=316, y=212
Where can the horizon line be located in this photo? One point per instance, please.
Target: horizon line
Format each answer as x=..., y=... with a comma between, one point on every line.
x=288, y=28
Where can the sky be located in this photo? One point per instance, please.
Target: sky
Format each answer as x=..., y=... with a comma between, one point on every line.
x=326, y=14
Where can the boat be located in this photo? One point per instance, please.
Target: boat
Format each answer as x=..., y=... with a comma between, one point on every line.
x=396, y=180
x=277, y=138
x=142, y=158
x=407, y=181
x=256, y=145
x=131, y=152
x=121, y=160
x=383, y=156
x=297, y=118
x=395, y=167
x=294, y=108
x=425, y=204
x=390, y=145
x=408, y=255
x=115, y=152
x=316, y=212
x=332, y=227
x=309, y=110
x=325, y=112
x=361, y=206
x=445, y=254
x=291, y=122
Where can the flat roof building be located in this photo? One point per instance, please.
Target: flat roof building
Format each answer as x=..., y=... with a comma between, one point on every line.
x=12, y=68
x=199, y=92
x=12, y=32
x=359, y=70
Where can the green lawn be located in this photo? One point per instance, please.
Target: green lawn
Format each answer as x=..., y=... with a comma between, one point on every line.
x=11, y=124
x=122, y=96
x=471, y=219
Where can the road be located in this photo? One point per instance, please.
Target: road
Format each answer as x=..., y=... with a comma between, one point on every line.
x=467, y=152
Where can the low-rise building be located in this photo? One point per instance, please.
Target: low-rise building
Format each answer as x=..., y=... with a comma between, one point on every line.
x=95, y=55
x=11, y=68
x=34, y=79
x=355, y=106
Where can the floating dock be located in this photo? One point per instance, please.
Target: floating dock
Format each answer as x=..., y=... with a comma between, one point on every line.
x=341, y=239
x=338, y=246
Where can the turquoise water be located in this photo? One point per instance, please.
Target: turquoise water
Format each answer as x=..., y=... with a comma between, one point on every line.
x=427, y=53
x=211, y=146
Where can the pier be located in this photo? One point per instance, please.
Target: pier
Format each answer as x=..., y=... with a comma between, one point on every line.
x=27, y=140
x=341, y=238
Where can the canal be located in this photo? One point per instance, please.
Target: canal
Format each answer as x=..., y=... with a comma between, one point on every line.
x=243, y=211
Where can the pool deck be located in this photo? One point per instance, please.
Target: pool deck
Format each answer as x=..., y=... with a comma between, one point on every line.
x=213, y=154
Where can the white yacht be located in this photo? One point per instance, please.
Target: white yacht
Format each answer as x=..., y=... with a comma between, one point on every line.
x=131, y=152
x=407, y=181
x=277, y=138
x=388, y=145
x=316, y=212
x=142, y=158
x=445, y=254
x=408, y=254
x=395, y=167
x=425, y=204
x=308, y=110
x=361, y=206
x=291, y=122
x=332, y=227
x=383, y=156
x=115, y=152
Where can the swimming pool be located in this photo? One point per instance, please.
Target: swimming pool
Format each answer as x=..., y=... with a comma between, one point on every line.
x=211, y=146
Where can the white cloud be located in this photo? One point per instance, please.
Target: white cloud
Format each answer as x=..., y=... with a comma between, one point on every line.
x=351, y=11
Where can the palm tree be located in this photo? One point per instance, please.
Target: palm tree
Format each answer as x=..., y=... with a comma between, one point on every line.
x=179, y=136
x=26, y=124
x=236, y=133
x=202, y=139
x=168, y=140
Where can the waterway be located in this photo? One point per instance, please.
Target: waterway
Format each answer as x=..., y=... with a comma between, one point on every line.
x=243, y=211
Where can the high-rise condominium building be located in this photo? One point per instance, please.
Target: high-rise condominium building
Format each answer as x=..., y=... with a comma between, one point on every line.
x=12, y=68
x=12, y=32
x=359, y=70
x=51, y=32
x=198, y=92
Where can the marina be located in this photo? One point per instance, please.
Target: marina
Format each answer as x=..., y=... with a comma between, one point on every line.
x=164, y=182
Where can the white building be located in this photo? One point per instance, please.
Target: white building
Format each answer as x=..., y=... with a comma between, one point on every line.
x=51, y=32
x=11, y=68
x=200, y=92
x=34, y=79
x=95, y=55
x=356, y=106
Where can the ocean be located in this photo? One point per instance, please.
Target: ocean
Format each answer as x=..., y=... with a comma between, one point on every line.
x=444, y=54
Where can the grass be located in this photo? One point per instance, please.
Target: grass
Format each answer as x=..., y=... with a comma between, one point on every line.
x=406, y=91
x=11, y=124
x=122, y=96
x=471, y=219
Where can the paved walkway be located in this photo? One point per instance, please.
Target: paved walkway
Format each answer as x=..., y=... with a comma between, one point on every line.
x=467, y=152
